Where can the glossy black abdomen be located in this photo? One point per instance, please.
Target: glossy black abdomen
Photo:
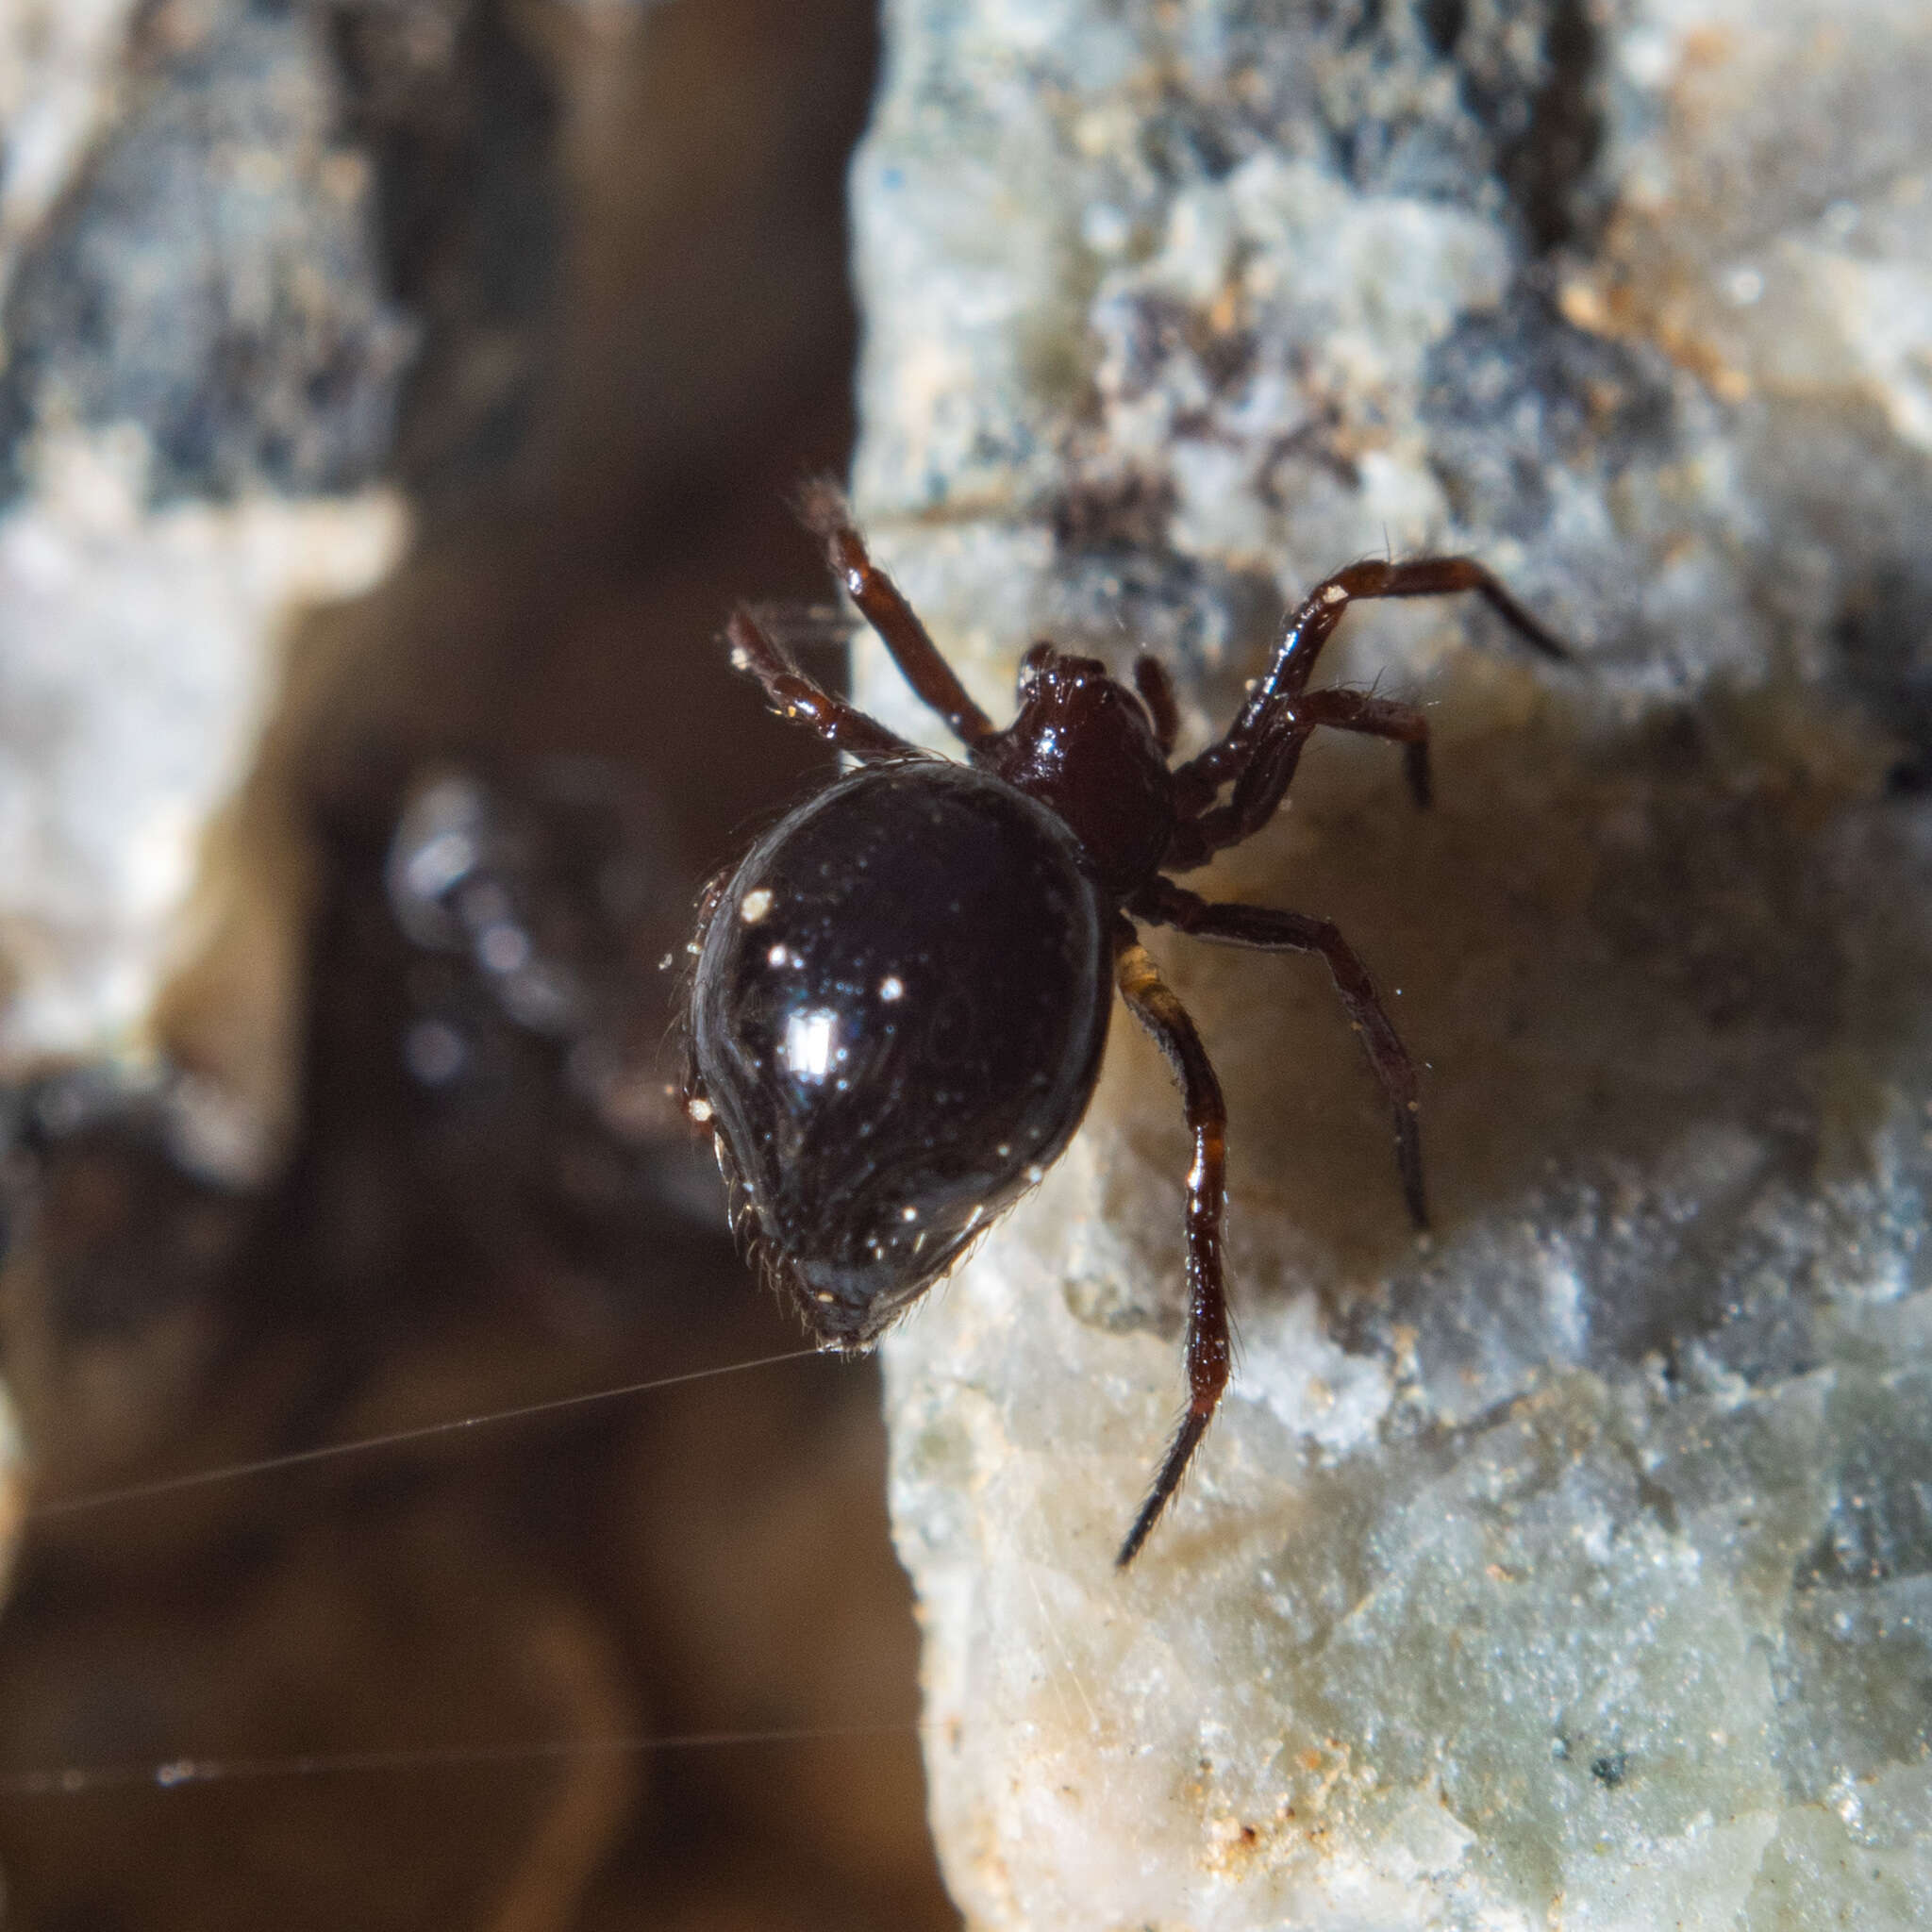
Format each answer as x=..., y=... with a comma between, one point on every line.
x=898, y=1017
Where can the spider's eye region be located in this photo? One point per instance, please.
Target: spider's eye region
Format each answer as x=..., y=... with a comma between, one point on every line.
x=1033, y=667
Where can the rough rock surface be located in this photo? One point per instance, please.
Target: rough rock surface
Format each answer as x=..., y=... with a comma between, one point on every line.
x=1572, y=1568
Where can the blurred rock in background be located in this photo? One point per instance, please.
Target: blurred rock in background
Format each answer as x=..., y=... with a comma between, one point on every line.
x=397, y=395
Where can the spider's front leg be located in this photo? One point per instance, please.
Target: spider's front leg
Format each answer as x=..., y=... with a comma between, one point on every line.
x=1267, y=769
x=1153, y=1003
x=1312, y=623
x=1269, y=930
x=1374, y=717
x=884, y=606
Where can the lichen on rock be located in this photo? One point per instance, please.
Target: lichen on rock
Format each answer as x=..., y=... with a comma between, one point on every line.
x=1567, y=1569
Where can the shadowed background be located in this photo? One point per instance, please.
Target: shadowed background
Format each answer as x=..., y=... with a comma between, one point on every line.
x=572, y=280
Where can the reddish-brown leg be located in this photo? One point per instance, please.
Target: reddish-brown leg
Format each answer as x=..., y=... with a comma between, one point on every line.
x=1268, y=930
x=794, y=696
x=878, y=598
x=1209, y=1347
x=1157, y=693
x=1262, y=780
x=1260, y=783
x=1312, y=623
x=1374, y=717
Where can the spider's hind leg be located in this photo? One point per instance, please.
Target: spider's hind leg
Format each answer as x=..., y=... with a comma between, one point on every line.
x=1209, y=1346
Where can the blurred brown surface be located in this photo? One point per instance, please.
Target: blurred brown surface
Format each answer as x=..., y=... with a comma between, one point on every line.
x=500, y=1226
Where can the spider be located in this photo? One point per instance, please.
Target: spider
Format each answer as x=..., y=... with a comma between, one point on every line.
x=902, y=992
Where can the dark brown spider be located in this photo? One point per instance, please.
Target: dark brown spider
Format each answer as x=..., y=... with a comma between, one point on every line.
x=902, y=994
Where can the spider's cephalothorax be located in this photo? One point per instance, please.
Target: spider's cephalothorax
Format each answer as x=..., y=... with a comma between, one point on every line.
x=902, y=992
x=1091, y=752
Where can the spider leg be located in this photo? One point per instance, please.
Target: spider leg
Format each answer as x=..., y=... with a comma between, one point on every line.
x=1268, y=930
x=795, y=696
x=1269, y=768
x=1312, y=623
x=1357, y=711
x=885, y=608
x=1157, y=693
x=1210, y=1345
x=1259, y=785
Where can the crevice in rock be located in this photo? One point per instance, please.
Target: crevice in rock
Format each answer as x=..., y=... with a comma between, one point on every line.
x=1546, y=166
x=461, y=122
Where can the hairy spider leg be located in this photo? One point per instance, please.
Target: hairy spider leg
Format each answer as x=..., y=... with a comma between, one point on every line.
x=884, y=607
x=1153, y=1003
x=1262, y=780
x=1312, y=623
x=1260, y=784
x=796, y=697
x=1374, y=717
x=1268, y=930
x=1157, y=693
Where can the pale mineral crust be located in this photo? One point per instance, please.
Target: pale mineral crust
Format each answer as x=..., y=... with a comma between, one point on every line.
x=1571, y=1568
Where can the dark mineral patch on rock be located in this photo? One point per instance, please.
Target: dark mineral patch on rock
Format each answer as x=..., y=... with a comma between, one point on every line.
x=321, y=248
x=212, y=277
x=461, y=122
x=1511, y=394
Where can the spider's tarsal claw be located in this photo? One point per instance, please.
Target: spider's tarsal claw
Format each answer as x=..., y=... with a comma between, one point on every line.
x=1418, y=1206
x=1174, y=1467
x=1409, y=1161
x=1415, y=764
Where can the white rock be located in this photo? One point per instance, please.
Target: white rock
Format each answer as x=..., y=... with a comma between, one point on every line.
x=1574, y=1571
x=138, y=661
x=155, y=547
